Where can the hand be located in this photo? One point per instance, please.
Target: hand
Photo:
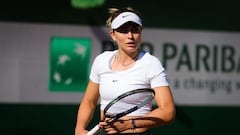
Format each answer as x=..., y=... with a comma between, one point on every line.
x=115, y=126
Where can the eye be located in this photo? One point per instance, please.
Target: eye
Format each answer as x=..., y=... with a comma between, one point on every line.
x=125, y=30
x=136, y=30
x=122, y=30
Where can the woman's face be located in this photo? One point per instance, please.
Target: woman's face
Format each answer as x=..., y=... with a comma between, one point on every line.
x=128, y=37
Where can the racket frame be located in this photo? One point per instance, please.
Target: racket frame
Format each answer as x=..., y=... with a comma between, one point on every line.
x=116, y=116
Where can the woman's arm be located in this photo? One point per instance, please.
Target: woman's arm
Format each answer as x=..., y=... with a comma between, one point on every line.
x=163, y=114
x=86, y=108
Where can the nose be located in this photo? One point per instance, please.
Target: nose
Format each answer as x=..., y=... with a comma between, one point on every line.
x=130, y=34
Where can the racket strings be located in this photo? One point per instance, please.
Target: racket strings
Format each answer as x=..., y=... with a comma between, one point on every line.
x=129, y=102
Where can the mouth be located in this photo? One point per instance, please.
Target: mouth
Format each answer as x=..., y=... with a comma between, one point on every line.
x=131, y=43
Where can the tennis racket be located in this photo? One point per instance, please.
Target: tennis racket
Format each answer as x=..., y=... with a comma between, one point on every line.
x=125, y=104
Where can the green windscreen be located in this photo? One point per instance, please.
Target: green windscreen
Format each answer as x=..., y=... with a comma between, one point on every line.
x=83, y=4
x=69, y=64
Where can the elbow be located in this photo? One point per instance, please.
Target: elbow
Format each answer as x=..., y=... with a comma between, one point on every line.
x=170, y=116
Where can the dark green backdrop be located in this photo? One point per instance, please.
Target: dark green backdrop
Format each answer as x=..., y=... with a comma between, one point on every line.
x=42, y=119
x=184, y=14
x=51, y=119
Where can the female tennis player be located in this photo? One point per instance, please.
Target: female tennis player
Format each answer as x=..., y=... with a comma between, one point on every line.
x=127, y=68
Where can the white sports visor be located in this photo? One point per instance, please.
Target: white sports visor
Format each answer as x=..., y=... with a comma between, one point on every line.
x=126, y=17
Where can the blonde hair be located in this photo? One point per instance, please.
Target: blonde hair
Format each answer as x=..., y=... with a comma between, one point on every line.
x=114, y=12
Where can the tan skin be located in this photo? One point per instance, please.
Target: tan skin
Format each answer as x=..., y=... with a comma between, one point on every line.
x=128, y=38
x=128, y=44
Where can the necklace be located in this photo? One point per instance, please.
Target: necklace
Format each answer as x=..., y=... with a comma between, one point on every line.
x=124, y=63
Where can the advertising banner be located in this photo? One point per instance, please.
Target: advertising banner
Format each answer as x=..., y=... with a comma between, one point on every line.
x=43, y=63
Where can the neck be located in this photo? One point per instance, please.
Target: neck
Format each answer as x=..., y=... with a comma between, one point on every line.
x=126, y=60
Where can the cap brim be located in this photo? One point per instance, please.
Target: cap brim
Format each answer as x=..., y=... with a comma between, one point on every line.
x=124, y=18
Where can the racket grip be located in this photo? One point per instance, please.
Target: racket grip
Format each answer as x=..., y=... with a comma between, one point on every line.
x=93, y=130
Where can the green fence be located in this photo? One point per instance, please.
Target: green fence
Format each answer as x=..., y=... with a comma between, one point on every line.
x=43, y=119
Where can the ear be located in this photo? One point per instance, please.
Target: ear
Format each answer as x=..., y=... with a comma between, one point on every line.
x=111, y=33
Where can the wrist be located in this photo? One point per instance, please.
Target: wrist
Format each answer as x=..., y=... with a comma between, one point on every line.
x=133, y=122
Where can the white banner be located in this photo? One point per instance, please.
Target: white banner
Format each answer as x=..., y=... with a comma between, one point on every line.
x=203, y=66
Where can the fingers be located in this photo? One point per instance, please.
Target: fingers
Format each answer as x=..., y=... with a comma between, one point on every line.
x=107, y=122
x=115, y=126
x=108, y=126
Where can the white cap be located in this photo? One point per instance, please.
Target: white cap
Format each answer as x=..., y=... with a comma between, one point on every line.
x=125, y=17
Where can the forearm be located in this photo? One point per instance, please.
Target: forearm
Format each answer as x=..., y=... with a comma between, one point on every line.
x=87, y=108
x=157, y=117
x=85, y=114
x=163, y=114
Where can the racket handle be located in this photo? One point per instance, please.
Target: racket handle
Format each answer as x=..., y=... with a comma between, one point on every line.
x=93, y=130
